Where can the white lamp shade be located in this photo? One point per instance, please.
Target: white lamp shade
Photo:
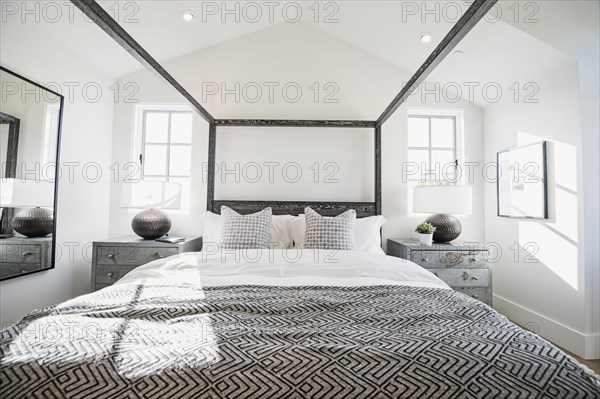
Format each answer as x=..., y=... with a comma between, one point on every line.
x=443, y=199
x=147, y=194
x=19, y=193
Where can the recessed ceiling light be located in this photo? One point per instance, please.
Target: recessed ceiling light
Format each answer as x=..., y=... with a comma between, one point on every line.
x=425, y=37
x=187, y=16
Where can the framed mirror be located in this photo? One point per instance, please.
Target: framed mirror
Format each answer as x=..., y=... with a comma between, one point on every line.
x=30, y=125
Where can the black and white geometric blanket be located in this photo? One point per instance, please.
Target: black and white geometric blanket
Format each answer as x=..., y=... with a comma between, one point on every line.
x=161, y=341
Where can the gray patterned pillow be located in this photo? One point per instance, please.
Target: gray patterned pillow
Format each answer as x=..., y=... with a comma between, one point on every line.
x=329, y=232
x=245, y=231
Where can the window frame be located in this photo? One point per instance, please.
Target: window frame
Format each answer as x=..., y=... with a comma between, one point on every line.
x=168, y=144
x=137, y=148
x=425, y=175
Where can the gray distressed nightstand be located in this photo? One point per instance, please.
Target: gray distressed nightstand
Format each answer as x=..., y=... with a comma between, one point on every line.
x=21, y=255
x=113, y=259
x=462, y=265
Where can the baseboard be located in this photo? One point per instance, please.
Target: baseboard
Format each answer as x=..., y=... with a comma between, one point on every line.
x=584, y=346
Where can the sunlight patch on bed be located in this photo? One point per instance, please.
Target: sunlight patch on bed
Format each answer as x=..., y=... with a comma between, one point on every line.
x=151, y=347
x=139, y=347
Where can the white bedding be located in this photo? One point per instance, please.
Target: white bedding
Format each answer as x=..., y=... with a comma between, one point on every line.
x=278, y=267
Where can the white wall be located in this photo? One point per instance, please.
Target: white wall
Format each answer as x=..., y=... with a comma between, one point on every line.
x=32, y=113
x=576, y=36
x=300, y=54
x=548, y=287
x=31, y=51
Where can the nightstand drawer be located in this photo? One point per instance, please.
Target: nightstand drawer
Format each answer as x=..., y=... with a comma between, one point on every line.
x=463, y=277
x=110, y=274
x=462, y=265
x=13, y=269
x=18, y=253
x=483, y=294
x=131, y=255
x=113, y=259
x=100, y=286
x=449, y=259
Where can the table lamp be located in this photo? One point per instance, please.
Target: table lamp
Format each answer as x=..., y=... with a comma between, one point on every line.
x=36, y=196
x=443, y=201
x=151, y=223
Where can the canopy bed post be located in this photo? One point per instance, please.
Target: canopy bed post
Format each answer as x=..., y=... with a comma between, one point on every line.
x=210, y=170
x=378, y=169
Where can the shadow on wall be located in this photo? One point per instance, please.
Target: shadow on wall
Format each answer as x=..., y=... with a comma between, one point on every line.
x=555, y=242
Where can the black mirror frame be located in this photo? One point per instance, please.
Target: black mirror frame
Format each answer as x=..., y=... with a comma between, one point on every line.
x=56, y=171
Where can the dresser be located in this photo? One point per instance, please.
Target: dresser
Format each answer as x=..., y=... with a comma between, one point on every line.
x=21, y=255
x=113, y=259
x=461, y=265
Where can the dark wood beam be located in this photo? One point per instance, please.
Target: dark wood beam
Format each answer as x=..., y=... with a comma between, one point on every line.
x=293, y=123
x=98, y=15
x=471, y=17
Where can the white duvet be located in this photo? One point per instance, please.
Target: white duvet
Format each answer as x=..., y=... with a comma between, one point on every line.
x=278, y=267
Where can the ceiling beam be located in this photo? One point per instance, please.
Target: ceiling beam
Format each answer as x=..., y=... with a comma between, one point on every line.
x=294, y=123
x=471, y=17
x=97, y=14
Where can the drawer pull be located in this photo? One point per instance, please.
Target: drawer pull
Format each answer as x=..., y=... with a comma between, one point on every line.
x=472, y=260
x=466, y=276
x=23, y=271
x=475, y=296
x=110, y=256
x=110, y=274
x=424, y=260
x=24, y=254
x=158, y=256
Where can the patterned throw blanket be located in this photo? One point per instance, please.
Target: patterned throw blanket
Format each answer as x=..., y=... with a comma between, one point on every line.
x=161, y=341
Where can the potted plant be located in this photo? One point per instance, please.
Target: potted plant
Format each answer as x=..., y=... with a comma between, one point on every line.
x=425, y=231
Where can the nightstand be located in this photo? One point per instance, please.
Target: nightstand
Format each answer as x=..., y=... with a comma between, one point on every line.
x=21, y=255
x=113, y=259
x=461, y=265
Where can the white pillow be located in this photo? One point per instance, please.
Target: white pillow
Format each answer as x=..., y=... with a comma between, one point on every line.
x=297, y=228
x=367, y=233
x=213, y=226
x=280, y=231
x=280, y=237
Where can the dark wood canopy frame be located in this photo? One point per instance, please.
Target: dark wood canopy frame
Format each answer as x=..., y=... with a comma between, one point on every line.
x=10, y=170
x=363, y=209
x=472, y=16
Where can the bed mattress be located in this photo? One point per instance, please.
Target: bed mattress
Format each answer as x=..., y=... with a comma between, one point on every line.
x=267, y=324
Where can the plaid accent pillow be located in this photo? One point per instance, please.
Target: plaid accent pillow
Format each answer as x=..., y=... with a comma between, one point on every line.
x=245, y=231
x=329, y=232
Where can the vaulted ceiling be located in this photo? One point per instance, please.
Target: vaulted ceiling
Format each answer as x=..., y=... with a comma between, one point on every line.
x=496, y=50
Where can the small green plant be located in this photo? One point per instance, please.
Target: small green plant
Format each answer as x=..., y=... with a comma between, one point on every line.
x=425, y=228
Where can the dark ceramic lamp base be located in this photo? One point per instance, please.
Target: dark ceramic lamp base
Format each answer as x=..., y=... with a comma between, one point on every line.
x=447, y=227
x=151, y=224
x=34, y=222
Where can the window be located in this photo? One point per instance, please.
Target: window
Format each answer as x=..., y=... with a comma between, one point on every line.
x=166, y=147
x=50, y=141
x=432, y=147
